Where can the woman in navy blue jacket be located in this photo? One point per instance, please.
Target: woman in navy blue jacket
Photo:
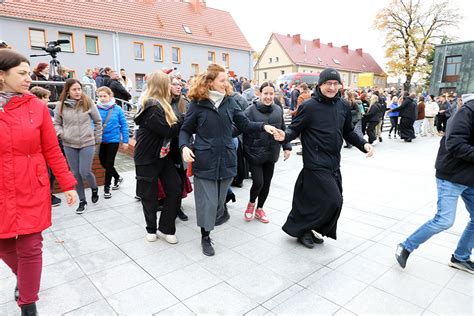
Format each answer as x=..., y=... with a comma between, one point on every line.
x=211, y=116
x=115, y=129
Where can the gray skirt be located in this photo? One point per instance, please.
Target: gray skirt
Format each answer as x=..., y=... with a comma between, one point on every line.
x=209, y=198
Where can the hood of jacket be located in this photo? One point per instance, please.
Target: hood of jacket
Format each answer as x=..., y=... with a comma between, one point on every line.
x=150, y=103
x=467, y=97
x=18, y=100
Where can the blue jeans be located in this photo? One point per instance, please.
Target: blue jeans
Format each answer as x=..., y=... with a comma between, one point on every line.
x=448, y=194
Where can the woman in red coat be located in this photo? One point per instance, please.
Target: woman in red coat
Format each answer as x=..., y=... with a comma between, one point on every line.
x=27, y=147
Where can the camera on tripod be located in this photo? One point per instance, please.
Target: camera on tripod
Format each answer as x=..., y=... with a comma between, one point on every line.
x=53, y=47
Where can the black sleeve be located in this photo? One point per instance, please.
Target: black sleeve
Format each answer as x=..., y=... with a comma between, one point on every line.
x=120, y=89
x=189, y=126
x=284, y=145
x=243, y=124
x=373, y=111
x=405, y=103
x=349, y=134
x=156, y=122
x=297, y=124
x=459, y=135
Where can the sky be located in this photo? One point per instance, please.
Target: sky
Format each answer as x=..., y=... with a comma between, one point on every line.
x=343, y=22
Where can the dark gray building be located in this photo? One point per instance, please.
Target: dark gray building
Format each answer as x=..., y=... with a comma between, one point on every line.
x=453, y=68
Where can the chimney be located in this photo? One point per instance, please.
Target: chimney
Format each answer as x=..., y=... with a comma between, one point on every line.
x=330, y=44
x=345, y=48
x=317, y=42
x=197, y=5
x=359, y=51
x=288, y=35
x=297, y=38
x=305, y=48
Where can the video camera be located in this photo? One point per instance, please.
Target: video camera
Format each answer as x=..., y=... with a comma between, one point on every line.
x=53, y=47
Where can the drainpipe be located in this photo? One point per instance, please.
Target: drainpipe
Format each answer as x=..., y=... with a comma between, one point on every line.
x=116, y=48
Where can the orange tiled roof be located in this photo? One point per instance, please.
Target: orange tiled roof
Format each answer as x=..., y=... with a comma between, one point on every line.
x=156, y=18
x=316, y=54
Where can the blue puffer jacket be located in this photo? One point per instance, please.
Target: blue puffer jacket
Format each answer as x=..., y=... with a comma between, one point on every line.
x=116, y=125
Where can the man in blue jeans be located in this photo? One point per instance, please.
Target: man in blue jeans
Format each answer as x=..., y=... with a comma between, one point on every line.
x=454, y=178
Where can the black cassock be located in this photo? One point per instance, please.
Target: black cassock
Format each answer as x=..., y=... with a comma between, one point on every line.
x=322, y=124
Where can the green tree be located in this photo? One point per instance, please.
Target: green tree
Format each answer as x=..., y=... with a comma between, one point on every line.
x=412, y=28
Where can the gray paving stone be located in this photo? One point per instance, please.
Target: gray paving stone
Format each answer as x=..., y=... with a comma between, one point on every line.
x=362, y=269
x=176, y=310
x=147, y=298
x=140, y=248
x=281, y=297
x=59, y=273
x=449, y=302
x=102, y=260
x=225, y=301
x=6, y=288
x=97, y=308
x=462, y=282
x=125, y=234
x=164, y=262
x=119, y=278
x=227, y=264
x=306, y=302
x=189, y=281
x=373, y=301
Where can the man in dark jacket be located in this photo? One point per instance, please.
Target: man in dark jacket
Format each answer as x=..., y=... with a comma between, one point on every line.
x=408, y=112
x=454, y=178
x=322, y=123
x=294, y=97
x=118, y=89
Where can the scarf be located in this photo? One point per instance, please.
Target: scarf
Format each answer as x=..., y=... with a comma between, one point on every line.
x=70, y=102
x=216, y=97
x=106, y=106
x=5, y=97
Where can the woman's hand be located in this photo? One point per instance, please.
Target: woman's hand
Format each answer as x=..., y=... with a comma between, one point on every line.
x=369, y=149
x=286, y=154
x=188, y=155
x=270, y=129
x=71, y=197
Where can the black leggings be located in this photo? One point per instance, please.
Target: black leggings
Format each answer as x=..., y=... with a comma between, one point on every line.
x=107, y=154
x=394, y=122
x=261, y=179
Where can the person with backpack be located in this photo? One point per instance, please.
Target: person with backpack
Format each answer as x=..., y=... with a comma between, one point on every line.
x=114, y=131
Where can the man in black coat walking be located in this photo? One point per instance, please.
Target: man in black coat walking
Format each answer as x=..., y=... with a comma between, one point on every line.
x=118, y=89
x=408, y=112
x=322, y=123
x=454, y=178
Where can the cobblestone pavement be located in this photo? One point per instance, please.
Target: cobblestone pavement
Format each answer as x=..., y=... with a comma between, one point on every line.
x=100, y=264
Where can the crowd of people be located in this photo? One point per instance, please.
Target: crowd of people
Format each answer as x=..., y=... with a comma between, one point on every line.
x=213, y=129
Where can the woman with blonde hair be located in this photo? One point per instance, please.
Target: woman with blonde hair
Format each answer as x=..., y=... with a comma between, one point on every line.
x=211, y=116
x=155, y=158
x=372, y=117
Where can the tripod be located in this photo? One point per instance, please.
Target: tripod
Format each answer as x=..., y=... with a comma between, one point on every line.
x=54, y=75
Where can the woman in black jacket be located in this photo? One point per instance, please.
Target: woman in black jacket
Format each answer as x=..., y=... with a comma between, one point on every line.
x=372, y=117
x=155, y=158
x=408, y=112
x=211, y=116
x=262, y=150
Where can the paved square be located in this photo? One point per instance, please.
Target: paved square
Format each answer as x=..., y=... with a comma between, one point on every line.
x=100, y=264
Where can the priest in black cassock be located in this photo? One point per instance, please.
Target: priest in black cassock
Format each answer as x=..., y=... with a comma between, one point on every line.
x=322, y=122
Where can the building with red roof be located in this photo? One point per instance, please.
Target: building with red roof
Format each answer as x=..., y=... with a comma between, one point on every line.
x=140, y=36
x=285, y=54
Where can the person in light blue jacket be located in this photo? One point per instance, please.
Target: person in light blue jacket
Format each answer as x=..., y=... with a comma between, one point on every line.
x=115, y=129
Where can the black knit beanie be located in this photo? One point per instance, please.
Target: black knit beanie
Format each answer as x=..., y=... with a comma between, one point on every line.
x=329, y=74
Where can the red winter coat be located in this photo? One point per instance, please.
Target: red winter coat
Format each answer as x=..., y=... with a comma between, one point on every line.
x=27, y=143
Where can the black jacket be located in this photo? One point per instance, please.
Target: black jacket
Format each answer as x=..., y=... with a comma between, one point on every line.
x=374, y=114
x=455, y=160
x=215, y=153
x=152, y=132
x=322, y=124
x=261, y=147
x=118, y=89
x=408, y=109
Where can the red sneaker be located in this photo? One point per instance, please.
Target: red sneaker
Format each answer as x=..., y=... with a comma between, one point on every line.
x=248, y=215
x=261, y=216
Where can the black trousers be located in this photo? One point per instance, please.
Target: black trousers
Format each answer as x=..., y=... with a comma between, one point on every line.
x=406, y=128
x=441, y=122
x=394, y=122
x=261, y=179
x=147, y=189
x=107, y=154
x=371, y=131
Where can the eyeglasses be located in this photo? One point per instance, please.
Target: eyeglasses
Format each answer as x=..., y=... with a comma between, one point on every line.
x=176, y=84
x=332, y=84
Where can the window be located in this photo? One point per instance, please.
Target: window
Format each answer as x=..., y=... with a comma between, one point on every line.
x=67, y=47
x=92, y=45
x=211, y=57
x=176, y=55
x=277, y=59
x=336, y=61
x=194, y=69
x=138, y=52
x=37, y=38
x=139, y=82
x=265, y=76
x=452, y=68
x=282, y=72
x=158, y=52
x=270, y=60
x=70, y=73
x=226, y=59
x=187, y=29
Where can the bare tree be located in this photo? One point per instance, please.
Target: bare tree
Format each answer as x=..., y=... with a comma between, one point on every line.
x=411, y=29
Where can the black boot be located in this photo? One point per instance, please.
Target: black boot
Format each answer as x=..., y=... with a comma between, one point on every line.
x=29, y=310
x=230, y=197
x=307, y=239
x=224, y=218
x=207, y=249
x=95, y=195
x=181, y=215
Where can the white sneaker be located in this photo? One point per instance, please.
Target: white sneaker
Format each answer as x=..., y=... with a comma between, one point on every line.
x=168, y=238
x=150, y=237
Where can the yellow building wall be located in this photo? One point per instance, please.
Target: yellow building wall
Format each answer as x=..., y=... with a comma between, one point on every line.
x=279, y=62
